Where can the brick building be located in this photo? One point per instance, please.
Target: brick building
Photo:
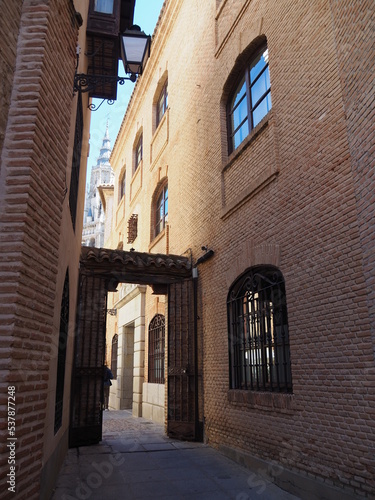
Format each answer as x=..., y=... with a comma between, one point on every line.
x=248, y=146
x=44, y=137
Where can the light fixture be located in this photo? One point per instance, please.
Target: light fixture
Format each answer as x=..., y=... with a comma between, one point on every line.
x=209, y=253
x=135, y=50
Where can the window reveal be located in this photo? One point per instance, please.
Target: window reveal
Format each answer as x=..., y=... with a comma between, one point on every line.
x=258, y=332
x=251, y=100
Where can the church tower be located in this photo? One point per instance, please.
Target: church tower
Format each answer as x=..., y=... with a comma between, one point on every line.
x=101, y=174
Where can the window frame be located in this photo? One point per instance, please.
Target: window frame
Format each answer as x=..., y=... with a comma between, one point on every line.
x=122, y=186
x=258, y=334
x=138, y=153
x=162, y=102
x=245, y=79
x=161, y=221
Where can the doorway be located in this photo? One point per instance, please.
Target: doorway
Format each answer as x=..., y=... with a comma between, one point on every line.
x=101, y=270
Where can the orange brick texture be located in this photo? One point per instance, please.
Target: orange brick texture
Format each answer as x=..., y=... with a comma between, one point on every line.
x=38, y=62
x=298, y=193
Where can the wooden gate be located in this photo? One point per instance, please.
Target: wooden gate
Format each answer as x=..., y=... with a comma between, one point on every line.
x=182, y=362
x=87, y=376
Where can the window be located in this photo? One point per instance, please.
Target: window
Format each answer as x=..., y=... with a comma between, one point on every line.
x=103, y=6
x=114, y=356
x=251, y=100
x=76, y=162
x=258, y=332
x=138, y=153
x=162, y=104
x=61, y=357
x=156, y=349
x=161, y=214
x=121, y=187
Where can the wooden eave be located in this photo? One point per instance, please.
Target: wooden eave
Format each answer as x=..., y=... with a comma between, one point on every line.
x=134, y=267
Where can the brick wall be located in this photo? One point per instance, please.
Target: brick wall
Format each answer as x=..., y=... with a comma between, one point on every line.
x=298, y=194
x=354, y=26
x=34, y=214
x=9, y=27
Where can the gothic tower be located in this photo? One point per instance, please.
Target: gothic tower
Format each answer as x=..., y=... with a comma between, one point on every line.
x=101, y=174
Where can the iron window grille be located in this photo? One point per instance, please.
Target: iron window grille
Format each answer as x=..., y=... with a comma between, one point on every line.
x=259, y=354
x=162, y=104
x=114, y=355
x=251, y=100
x=156, y=350
x=132, y=228
x=161, y=215
x=61, y=357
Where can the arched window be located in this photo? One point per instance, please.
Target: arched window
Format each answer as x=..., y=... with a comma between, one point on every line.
x=156, y=349
x=258, y=332
x=161, y=210
x=114, y=356
x=162, y=103
x=251, y=99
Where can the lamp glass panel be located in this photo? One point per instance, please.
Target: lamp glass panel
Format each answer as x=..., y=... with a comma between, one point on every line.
x=104, y=6
x=134, y=48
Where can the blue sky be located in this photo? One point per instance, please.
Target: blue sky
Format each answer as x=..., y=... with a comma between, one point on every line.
x=146, y=15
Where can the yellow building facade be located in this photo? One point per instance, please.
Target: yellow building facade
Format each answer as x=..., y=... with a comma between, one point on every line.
x=237, y=151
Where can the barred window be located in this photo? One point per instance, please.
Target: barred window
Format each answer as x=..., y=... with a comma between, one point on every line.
x=114, y=356
x=156, y=349
x=259, y=353
x=251, y=100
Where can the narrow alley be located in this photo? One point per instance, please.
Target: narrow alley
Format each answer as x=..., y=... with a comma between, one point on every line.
x=136, y=461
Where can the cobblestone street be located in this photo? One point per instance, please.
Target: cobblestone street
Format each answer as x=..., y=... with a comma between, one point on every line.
x=137, y=461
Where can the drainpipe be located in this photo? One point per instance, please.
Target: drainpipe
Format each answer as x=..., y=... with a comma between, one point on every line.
x=207, y=255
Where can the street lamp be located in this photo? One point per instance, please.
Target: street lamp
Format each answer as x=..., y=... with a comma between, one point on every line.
x=107, y=33
x=135, y=50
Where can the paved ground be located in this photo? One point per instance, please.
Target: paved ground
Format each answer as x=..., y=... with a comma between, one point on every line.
x=137, y=461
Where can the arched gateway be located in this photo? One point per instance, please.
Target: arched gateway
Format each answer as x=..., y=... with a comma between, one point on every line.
x=101, y=270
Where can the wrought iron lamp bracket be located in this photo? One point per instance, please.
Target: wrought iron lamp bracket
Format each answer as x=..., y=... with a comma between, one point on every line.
x=88, y=83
